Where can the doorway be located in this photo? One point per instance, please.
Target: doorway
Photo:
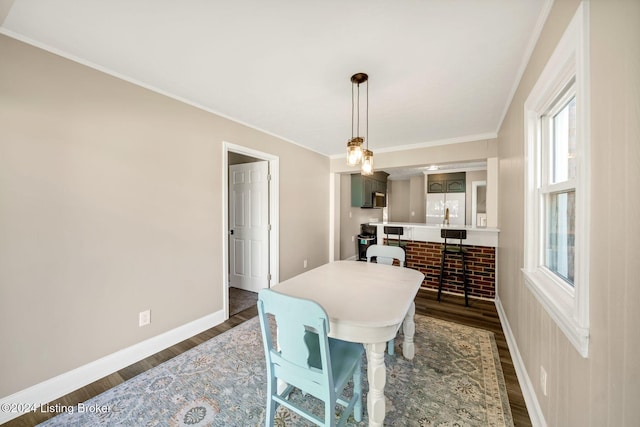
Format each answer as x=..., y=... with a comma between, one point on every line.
x=250, y=225
x=479, y=203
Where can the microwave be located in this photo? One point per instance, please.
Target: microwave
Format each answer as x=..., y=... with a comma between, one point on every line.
x=378, y=200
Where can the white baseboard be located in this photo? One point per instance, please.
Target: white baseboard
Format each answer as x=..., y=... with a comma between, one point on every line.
x=435, y=290
x=528, y=391
x=63, y=384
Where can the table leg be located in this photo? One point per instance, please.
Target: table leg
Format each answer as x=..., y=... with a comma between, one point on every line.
x=409, y=329
x=377, y=376
x=281, y=386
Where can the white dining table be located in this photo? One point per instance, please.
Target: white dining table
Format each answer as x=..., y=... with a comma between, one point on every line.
x=366, y=303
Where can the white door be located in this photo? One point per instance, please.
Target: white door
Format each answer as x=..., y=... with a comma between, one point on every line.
x=249, y=226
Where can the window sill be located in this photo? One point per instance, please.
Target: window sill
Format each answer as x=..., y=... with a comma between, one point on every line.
x=560, y=305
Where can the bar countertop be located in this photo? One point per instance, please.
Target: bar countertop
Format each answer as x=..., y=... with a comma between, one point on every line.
x=478, y=236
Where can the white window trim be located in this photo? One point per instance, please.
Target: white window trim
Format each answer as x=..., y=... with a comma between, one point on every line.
x=569, y=308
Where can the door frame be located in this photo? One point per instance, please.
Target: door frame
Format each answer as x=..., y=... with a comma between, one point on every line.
x=474, y=200
x=274, y=214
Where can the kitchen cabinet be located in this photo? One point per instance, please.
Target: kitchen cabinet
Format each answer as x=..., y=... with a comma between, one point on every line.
x=362, y=188
x=436, y=186
x=447, y=183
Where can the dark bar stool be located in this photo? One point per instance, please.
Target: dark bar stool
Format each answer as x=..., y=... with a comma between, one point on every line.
x=394, y=231
x=454, y=249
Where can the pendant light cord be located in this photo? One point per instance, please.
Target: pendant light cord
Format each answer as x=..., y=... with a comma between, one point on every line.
x=367, y=114
x=358, y=113
x=352, y=110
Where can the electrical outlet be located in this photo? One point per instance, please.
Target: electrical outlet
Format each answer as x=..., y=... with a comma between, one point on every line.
x=543, y=380
x=144, y=318
x=304, y=263
x=353, y=238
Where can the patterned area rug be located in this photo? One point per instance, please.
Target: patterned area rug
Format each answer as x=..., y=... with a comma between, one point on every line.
x=454, y=380
x=240, y=300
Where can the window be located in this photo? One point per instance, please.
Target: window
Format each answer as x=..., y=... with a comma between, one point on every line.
x=557, y=185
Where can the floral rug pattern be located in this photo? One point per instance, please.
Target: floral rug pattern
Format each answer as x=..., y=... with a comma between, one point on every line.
x=455, y=379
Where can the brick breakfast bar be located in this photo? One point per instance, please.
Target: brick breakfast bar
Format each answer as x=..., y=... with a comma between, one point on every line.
x=423, y=246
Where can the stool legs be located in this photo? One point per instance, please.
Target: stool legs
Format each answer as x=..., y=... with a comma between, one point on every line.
x=444, y=254
x=464, y=280
x=465, y=283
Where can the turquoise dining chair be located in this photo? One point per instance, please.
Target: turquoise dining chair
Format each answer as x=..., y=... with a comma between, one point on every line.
x=385, y=254
x=307, y=359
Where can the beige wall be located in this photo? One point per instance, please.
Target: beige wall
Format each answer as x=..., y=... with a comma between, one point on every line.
x=603, y=389
x=407, y=199
x=417, y=199
x=399, y=200
x=110, y=204
x=351, y=218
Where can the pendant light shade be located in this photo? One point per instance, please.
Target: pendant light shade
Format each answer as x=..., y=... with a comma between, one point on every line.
x=367, y=162
x=357, y=152
x=354, y=151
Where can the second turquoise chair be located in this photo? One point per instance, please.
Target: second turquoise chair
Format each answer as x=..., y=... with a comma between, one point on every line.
x=307, y=359
x=386, y=255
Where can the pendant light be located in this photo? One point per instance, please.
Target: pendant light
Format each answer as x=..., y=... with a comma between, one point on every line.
x=356, y=153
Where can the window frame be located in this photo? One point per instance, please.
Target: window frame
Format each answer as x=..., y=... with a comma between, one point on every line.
x=567, y=72
x=547, y=186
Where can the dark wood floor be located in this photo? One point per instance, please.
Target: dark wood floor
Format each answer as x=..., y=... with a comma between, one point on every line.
x=480, y=314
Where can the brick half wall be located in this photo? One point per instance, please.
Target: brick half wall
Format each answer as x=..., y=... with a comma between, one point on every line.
x=481, y=268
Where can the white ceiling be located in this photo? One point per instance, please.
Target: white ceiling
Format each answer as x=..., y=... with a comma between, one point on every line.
x=439, y=70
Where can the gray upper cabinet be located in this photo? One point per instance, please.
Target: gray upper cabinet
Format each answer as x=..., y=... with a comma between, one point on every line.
x=456, y=185
x=436, y=187
x=363, y=187
x=447, y=183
